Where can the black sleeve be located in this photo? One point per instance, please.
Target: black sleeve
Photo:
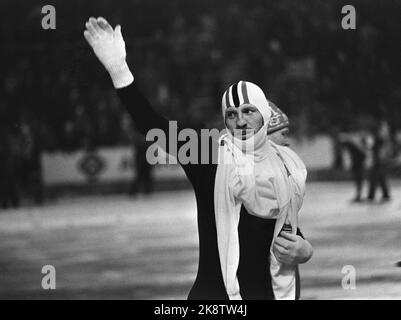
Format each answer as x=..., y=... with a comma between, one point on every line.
x=146, y=118
x=297, y=276
x=142, y=113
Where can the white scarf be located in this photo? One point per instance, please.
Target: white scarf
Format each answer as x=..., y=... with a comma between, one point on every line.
x=252, y=173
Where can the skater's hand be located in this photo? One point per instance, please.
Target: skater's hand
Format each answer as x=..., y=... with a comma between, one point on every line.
x=108, y=44
x=292, y=249
x=109, y=47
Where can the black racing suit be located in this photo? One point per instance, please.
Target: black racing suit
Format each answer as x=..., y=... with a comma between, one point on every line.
x=255, y=234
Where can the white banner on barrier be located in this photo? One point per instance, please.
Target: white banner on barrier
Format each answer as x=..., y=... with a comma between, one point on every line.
x=317, y=153
x=108, y=165
x=105, y=165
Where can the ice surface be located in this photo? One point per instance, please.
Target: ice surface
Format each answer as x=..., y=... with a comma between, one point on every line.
x=115, y=247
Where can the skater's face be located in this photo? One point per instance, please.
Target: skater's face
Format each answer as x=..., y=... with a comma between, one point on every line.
x=281, y=137
x=244, y=121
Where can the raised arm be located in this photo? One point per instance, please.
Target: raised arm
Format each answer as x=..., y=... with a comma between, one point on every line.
x=109, y=47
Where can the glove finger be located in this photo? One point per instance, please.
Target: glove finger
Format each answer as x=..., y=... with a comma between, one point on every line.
x=104, y=25
x=98, y=32
x=91, y=30
x=89, y=38
x=117, y=31
x=94, y=24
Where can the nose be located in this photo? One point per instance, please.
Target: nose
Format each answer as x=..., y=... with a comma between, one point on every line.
x=241, y=121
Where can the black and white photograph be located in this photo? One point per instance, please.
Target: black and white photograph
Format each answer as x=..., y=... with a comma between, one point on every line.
x=200, y=150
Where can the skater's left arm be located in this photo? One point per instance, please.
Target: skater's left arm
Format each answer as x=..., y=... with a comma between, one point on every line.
x=292, y=249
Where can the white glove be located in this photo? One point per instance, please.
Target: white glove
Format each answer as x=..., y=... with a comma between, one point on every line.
x=109, y=47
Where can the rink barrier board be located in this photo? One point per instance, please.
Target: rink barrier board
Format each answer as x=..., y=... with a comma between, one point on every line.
x=115, y=165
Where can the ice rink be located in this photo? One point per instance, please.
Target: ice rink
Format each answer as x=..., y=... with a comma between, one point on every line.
x=116, y=247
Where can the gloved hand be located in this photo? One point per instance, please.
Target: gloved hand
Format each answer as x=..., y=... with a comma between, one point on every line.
x=109, y=47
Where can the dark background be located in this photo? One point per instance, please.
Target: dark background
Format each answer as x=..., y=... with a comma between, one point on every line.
x=185, y=53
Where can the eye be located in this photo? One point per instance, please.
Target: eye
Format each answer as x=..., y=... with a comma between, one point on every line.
x=230, y=114
x=248, y=111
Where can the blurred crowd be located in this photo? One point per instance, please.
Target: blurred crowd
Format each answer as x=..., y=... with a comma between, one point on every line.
x=184, y=54
x=372, y=155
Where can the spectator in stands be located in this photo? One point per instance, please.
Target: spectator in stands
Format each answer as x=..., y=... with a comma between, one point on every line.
x=358, y=146
x=143, y=177
x=382, y=153
x=30, y=172
x=9, y=195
